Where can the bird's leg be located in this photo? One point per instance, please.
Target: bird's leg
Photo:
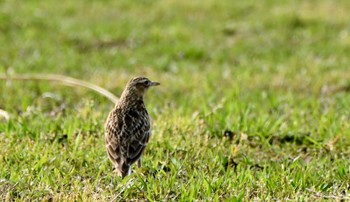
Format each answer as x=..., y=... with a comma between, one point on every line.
x=128, y=172
x=139, y=163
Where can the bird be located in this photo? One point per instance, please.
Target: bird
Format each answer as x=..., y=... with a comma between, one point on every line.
x=128, y=127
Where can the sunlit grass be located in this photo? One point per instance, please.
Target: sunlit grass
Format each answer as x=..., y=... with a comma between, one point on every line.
x=253, y=102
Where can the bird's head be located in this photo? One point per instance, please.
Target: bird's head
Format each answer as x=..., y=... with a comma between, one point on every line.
x=140, y=85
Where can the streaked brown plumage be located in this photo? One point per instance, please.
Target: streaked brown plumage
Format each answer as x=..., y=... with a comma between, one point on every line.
x=128, y=126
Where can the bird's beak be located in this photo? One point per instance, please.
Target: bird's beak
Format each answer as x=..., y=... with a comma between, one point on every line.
x=155, y=84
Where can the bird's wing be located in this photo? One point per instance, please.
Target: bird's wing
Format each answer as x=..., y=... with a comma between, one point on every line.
x=137, y=129
x=127, y=134
x=113, y=128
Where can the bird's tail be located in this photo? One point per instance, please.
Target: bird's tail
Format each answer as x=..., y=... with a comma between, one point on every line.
x=123, y=170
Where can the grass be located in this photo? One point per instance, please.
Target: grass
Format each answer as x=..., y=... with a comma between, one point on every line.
x=253, y=103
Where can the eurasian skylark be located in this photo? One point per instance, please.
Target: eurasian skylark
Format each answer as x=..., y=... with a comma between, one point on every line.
x=128, y=127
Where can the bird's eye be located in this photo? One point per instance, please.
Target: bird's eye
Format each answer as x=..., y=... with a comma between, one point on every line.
x=147, y=82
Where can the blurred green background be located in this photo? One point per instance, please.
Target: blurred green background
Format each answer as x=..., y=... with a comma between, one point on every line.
x=273, y=74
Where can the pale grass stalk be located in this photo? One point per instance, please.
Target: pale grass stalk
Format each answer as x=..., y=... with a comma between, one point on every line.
x=69, y=81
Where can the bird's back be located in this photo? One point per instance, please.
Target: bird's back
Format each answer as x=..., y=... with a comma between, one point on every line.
x=127, y=133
